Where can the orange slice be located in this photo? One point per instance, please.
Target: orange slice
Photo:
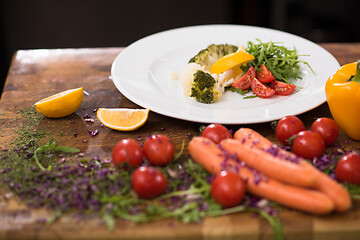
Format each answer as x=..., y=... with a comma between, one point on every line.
x=230, y=61
x=61, y=104
x=122, y=119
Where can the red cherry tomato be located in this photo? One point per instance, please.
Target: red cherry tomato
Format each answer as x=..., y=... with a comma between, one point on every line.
x=308, y=144
x=287, y=127
x=159, y=149
x=127, y=152
x=327, y=129
x=244, y=82
x=348, y=168
x=264, y=75
x=216, y=132
x=282, y=88
x=228, y=189
x=261, y=89
x=148, y=182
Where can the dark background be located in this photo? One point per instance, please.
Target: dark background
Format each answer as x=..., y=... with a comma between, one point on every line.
x=34, y=24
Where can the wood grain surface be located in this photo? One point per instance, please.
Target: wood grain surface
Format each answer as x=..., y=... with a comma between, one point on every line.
x=35, y=74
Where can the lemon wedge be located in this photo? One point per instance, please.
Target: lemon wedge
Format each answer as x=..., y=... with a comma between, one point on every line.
x=61, y=104
x=230, y=61
x=122, y=119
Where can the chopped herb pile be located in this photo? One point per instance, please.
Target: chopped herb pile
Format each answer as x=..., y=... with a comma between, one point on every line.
x=55, y=177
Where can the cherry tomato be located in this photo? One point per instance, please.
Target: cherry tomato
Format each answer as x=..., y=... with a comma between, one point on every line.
x=148, y=182
x=244, y=82
x=127, y=152
x=216, y=132
x=308, y=144
x=348, y=168
x=282, y=88
x=287, y=127
x=228, y=189
x=264, y=75
x=159, y=149
x=327, y=129
x=261, y=89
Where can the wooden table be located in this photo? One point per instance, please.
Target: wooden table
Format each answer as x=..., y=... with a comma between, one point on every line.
x=35, y=74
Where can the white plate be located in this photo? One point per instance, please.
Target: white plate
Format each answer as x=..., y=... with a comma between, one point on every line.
x=141, y=73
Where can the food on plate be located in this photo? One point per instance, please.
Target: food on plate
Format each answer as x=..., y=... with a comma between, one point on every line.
x=267, y=68
x=228, y=188
x=204, y=88
x=208, y=56
x=264, y=75
x=61, y=104
x=308, y=144
x=244, y=82
x=127, y=152
x=283, y=62
x=261, y=90
x=231, y=61
x=148, y=182
x=282, y=88
x=159, y=150
x=214, y=159
x=342, y=94
x=327, y=129
x=348, y=168
x=213, y=84
x=287, y=127
x=335, y=191
x=216, y=132
x=122, y=119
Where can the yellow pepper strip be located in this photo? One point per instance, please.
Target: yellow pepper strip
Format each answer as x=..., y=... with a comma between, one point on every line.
x=343, y=97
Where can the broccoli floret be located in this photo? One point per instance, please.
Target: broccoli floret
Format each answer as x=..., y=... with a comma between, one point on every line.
x=205, y=96
x=203, y=88
x=203, y=80
x=207, y=57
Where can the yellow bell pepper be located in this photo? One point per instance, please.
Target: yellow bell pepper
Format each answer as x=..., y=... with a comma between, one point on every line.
x=343, y=97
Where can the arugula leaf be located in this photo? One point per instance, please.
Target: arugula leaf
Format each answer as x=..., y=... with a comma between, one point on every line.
x=51, y=147
x=353, y=189
x=236, y=90
x=57, y=148
x=180, y=152
x=242, y=92
x=54, y=217
x=274, y=222
x=109, y=221
x=280, y=60
x=249, y=97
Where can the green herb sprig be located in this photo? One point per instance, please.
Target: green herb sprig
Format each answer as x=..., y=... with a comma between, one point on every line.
x=51, y=148
x=353, y=189
x=280, y=60
x=239, y=91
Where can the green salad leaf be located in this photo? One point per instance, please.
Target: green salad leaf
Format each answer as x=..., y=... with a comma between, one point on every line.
x=280, y=60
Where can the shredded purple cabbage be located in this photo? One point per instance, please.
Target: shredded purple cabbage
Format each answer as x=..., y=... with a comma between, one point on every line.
x=93, y=133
